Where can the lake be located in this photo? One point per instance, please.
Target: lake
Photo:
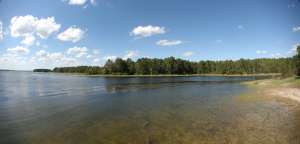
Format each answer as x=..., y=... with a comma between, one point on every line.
x=53, y=108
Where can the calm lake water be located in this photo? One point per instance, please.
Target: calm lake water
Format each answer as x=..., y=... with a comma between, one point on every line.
x=46, y=108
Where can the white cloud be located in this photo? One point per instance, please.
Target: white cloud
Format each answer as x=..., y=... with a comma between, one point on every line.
x=28, y=40
x=188, y=53
x=89, y=56
x=295, y=47
x=46, y=26
x=1, y=31
x=168, y=42
x=77, y=2
x=77, y=51
x=69, y=61
x=293, y=50
x=55, y=58
x=22, y=26
x=261, y=52
x=276, y=55
x=81, y=2
x=146, y=31
x=41, y=53
x=93, y=2
x=73, y=34
x=131, y=54
x=96, y=60
x=18, y=50
x=95, y=51
x=296, y=29
x=110, y=58
x=12, y=61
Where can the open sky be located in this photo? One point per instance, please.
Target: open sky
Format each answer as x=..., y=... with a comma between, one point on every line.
x=50, y=33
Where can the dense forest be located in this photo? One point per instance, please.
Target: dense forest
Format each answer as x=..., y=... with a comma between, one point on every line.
x=42, y=70
x=171, y=65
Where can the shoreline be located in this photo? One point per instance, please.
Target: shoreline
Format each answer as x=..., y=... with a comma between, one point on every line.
x=169, y=75
x=288, y=88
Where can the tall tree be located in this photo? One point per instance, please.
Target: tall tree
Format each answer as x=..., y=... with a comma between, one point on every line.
x=297, y=59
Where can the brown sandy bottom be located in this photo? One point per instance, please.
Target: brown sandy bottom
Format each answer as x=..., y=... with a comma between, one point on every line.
x=253, y=118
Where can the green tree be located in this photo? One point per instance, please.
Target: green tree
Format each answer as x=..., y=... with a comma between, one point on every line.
x=109, y=67
x=120, y=66
x=131, y=66
x=297, y=61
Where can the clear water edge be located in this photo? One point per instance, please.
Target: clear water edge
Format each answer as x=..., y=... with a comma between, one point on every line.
x=50, y=108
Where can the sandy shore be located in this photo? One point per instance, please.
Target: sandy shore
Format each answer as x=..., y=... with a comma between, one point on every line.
x=290, y=93
x=283, y=88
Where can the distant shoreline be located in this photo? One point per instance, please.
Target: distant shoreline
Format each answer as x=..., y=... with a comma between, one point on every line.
x=168, y=75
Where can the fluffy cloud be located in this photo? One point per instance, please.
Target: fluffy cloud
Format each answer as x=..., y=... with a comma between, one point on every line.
x=168, y=42
x=296, y=29
x=28, y=40
x=71, y=34
x=93, y=2
x=293, y=50
x=188, y=53
x=89, y=56
x=276, y=55
x=77, y=2
x=295, y=47
x=77, y=51
x=109, y=58
x=44, y=56
x=95, y=51
x=261, y=52
x=146, y=31
x=1, y=31
x=18, y=50
x=47, y=26
x=131, y=54
x=13, y=61
x=22, y=25
x=55, y=58
x=80, y=2
x=41, y=53
x=96, y=60
x=29, y=25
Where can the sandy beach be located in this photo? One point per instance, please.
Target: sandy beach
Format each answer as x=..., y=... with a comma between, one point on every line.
x=279, y=88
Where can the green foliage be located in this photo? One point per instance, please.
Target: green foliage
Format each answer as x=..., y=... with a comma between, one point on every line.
x=80, y=69
x=41, y=70
x=297, y=61
x=171, y=65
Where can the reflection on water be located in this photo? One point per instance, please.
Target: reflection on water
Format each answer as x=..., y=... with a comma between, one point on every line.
x=58, y=109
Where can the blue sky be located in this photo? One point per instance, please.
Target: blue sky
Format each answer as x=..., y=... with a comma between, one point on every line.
x=49, y=33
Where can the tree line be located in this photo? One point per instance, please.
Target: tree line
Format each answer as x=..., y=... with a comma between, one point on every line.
x=171, y=65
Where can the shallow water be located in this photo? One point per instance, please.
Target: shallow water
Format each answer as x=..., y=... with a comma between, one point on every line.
x=62, y=109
